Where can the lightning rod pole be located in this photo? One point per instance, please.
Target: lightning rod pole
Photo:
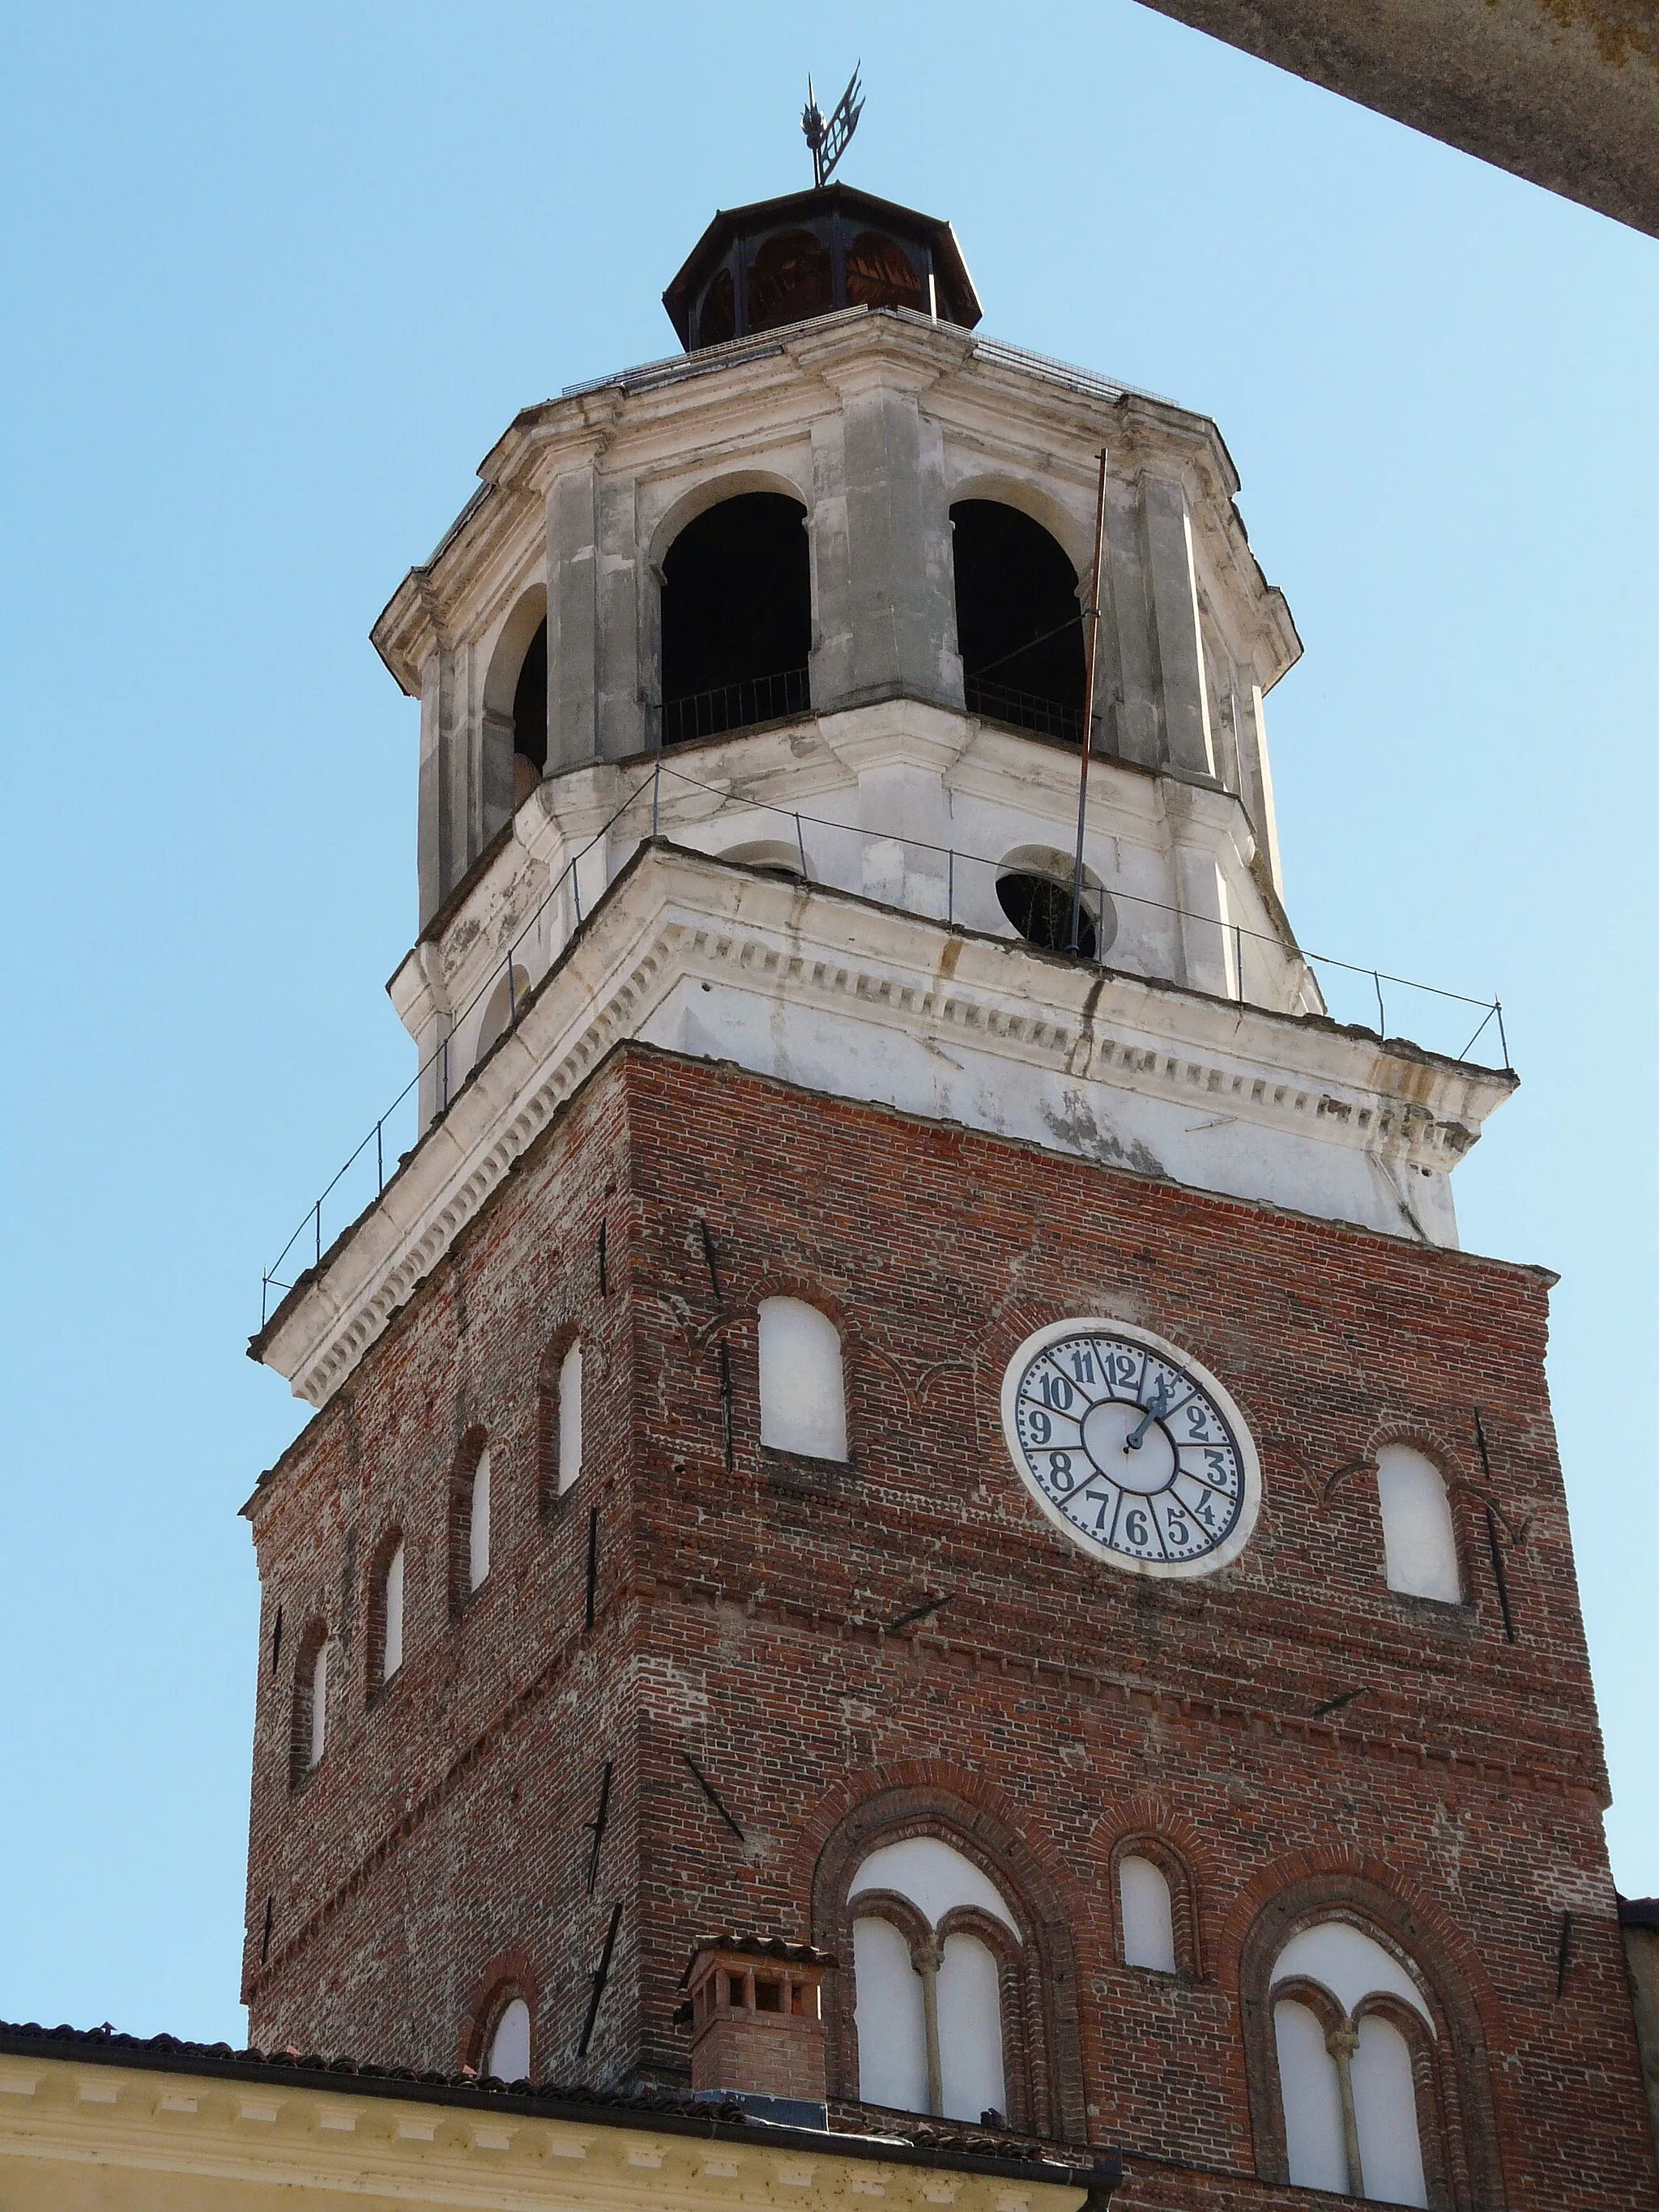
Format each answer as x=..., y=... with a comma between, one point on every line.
x=1093, y=609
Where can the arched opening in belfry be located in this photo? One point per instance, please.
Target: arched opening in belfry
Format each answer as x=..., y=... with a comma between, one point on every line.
x=737, y=617
x=530, y=705
x=515, y=710
x=1019, y=625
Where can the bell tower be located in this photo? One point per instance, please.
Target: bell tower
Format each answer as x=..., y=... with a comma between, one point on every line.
x=858, y=1437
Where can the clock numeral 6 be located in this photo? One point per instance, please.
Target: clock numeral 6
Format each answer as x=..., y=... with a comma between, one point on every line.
x=1135, y=1526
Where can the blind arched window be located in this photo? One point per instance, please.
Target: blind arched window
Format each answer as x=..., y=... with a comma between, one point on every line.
x=803, y=1394
x=1343, y=2009
x=1419, y=1548
x=928, y=2014
x=391, y=1615
x=319, y=1736
x=1148, y=1914
x=477, y=1527
x=570, y=1416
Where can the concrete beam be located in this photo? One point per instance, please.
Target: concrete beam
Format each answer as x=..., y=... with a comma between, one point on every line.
x=1564, y=93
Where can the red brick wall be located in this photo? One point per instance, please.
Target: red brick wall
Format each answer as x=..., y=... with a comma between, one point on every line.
x=1060, y=1704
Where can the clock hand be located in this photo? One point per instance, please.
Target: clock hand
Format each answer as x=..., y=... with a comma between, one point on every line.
x=1155, y=1411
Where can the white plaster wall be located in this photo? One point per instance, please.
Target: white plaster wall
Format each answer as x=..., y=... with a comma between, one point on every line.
x=969, y=2029
x=318, y=1705
x=1345, y=1961
x=392, y=1650
x=509, y=2046
x=478, y=1534
x=570, y=1416
x=888, y=2019
x=933, y=1876
x=1419, y=1550
x=1312, y=2101
x=1148, y=1919
x=802, y=1392
x=1385, y=2114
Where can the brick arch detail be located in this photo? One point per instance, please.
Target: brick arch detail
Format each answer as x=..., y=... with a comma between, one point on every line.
x=559, y=1340
x=509, y=1974
x=386, y=1545
x=1462, y=2108
x=475, y=1442
x=1147, y=1828
x=1041, y=2033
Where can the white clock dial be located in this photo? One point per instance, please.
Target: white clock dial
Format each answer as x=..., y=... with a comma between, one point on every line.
x=1131, y=1448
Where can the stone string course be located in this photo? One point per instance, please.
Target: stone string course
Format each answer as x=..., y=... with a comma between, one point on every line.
x=739, y=1618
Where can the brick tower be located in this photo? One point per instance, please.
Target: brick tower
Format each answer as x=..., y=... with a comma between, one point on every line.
x=936, y=1472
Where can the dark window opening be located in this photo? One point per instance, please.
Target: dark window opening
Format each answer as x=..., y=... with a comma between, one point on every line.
x=1019, y=625
x=530, y=704
x=717, y=319
x=737, y=618
x=879, y=274
x=788, y=281
x=1040, y=910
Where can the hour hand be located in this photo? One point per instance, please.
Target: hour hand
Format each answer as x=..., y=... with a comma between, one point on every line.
x=1155, y=1411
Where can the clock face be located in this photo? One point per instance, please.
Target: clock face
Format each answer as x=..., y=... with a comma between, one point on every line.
x=1131, y=1448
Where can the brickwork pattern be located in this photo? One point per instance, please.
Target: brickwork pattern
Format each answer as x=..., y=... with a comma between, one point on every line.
x=1053, y=1707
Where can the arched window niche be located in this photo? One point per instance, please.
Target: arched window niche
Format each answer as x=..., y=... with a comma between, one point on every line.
x=385, y=1611
x=1365, y=2053
x=309, y=1718
x=515, y=727
x=507, y=2054
x=505, y=1004
x=559, y=1418
x=1156, y=1913
x=1420, y=1544
x=961, y=2003
x=1019, y=621
x=737, y=618
x=803, y=1391
x=471, y=1503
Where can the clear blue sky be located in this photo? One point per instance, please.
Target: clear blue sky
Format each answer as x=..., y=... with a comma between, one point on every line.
x=274, y=279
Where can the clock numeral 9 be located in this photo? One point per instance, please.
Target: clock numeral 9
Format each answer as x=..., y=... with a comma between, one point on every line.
x=1042, y=1427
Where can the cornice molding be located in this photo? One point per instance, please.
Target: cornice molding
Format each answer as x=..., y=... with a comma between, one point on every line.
x=674, y=914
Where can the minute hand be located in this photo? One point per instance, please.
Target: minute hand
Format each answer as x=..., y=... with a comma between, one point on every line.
x=1155, y=1411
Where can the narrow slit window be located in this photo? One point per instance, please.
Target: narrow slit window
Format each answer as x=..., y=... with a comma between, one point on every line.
x=318, y=1705
x=392, y=1599
x=477, y=1532
x=570, y=1416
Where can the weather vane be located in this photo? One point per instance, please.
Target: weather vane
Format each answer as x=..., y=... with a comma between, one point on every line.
x=829, y=141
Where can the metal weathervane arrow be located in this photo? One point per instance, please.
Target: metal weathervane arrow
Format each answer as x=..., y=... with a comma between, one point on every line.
x=829, y=141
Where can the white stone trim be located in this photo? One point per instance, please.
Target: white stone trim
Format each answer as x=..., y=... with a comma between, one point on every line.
x=1006, y=1017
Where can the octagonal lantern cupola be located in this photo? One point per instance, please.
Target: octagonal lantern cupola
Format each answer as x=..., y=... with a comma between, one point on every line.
x=784, y=261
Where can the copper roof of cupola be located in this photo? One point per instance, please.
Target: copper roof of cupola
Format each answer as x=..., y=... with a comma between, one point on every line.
x=783, y=261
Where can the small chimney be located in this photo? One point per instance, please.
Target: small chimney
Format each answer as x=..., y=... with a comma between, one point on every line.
x=757, y=2030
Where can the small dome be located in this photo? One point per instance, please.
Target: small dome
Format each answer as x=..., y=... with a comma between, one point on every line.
x=811, y=254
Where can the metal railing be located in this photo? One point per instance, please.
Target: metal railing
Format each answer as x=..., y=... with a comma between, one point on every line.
x=946, y=893
x=739, y=706
x=1026, y=710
